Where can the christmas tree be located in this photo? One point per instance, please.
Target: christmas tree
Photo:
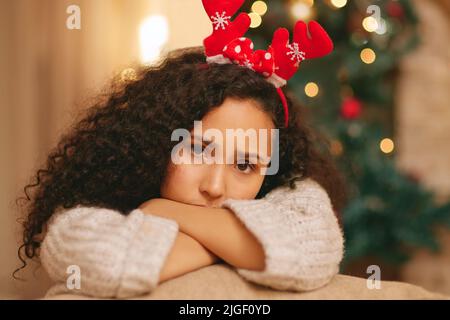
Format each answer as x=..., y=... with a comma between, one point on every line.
x=389, y=214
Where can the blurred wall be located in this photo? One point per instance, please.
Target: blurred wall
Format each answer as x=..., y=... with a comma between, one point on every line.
x=423, y=139
x=48, y=73
x=423, y=113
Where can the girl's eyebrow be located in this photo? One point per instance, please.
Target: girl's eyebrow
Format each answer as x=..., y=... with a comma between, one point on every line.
x=260, y=158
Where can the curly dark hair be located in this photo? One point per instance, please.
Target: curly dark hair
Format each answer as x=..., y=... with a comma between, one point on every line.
x=117, y=154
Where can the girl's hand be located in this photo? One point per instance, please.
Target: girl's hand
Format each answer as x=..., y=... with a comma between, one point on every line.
x=187, y=253
x=217, y=229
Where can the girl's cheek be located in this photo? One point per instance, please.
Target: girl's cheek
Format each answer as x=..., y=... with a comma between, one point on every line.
x=180, y=181
x=244, y=188
x=249, y=190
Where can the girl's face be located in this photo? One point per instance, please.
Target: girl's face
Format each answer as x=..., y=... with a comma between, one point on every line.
x=210, y=184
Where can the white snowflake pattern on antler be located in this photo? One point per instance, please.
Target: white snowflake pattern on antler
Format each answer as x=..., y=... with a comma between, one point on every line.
x=295, y=52
x=220, y=20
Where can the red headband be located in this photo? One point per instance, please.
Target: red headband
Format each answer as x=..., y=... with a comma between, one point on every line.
x=279, y=63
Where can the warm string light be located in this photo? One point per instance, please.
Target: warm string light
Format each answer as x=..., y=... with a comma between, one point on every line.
x=368, y=56
x=153, y=35
x=339, y=3
x=311, y=89
x=256, y=20
x=370, y=24
x=302, y=9
x=387, y=145
x=259, y=8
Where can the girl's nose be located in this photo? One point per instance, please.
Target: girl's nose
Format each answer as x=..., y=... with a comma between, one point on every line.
x=212, y=186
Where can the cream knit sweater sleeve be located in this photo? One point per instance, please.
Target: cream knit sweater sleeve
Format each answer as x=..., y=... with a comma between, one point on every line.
x=300, y=235
x=118, y=256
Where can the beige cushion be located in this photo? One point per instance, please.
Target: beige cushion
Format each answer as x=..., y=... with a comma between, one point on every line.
x=222, y=282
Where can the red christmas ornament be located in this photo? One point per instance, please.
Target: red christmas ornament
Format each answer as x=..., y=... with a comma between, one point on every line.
x=413, y=176
x=395, y=10
x=351, y=108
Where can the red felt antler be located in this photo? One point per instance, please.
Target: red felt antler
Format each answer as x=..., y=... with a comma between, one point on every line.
x=288, y=56
x=279, y=63
x=224, y=30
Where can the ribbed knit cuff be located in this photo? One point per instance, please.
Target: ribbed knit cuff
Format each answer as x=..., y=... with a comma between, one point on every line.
x=301, y=240
x=263, y=220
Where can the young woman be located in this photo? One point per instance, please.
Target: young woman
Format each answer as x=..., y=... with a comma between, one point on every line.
x=111, y=201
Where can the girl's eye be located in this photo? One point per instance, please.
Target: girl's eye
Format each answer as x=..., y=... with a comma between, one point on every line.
x=197, y=149
x=246, y=167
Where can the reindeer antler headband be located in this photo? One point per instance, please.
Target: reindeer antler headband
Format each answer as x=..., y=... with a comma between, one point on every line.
x=279, y=63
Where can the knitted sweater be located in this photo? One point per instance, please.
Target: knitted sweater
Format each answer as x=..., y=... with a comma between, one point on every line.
x=122, y=256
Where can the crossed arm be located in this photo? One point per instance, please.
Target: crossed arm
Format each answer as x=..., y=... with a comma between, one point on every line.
x=206, y=236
